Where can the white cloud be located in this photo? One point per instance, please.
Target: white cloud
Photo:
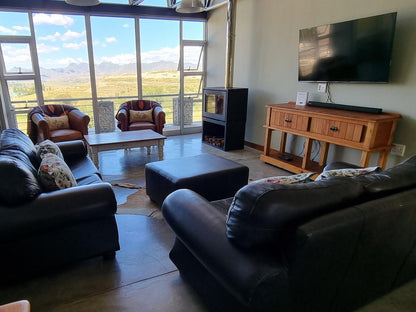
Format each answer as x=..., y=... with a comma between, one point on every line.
x=51, y=37
x=126, y=25
x=69, y=35
x=52, y=19
x=120, y=59
x=16, y=57
x=44, y=49
x=7, y=31
x=75, y=46
x=21, y=28
x=111, y=39
x=164, y=54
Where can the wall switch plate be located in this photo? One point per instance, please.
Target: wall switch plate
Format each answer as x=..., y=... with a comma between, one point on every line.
x=322, y=87
x=398, y=149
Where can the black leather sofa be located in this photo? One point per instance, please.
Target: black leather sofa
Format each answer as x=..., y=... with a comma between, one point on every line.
x=330, y=245
x=40, y=230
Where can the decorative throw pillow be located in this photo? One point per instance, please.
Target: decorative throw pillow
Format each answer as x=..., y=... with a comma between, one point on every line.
x=55, y=123
x=144, y=116
x=54, y=173
x=291, y=179
x=46, y=147
x=347, y=172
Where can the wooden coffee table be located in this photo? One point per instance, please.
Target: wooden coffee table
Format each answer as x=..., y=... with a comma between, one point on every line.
x=121, y=140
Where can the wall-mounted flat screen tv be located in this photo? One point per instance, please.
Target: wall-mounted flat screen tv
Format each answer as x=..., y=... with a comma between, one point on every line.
x=353, y=51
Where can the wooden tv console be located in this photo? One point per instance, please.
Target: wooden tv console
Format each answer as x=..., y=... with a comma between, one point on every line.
x=363, y=131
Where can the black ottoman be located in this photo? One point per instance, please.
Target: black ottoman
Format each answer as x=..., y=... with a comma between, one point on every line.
x=211, y=176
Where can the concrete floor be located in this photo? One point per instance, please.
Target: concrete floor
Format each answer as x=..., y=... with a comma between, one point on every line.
x=141, y=277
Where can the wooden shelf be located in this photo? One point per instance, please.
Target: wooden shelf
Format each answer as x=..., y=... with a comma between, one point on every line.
x=367, y=132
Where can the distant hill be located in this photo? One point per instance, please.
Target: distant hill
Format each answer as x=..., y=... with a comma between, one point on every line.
x=79, y=72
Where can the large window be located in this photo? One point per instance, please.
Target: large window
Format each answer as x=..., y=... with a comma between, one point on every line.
x=82, y=59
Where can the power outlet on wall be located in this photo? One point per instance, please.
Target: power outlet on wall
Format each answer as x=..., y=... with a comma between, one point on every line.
x=322, y=87
x=398, y=149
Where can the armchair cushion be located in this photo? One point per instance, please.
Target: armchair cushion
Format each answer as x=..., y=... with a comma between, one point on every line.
x=55, y=123
x=145, y=116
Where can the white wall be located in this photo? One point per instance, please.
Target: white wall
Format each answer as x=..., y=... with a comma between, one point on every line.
x=266, y=62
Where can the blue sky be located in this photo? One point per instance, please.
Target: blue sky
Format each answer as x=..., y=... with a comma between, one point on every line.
x=61, y=39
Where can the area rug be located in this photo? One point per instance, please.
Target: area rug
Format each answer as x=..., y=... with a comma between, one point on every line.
x=138, y=203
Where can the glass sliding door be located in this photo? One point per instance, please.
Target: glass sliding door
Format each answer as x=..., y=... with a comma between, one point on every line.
x=159, y=52
x=63, y=60
x=115, y=63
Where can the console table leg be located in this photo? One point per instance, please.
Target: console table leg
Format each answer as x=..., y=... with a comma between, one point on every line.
x=382, y=159
x=307, y=153
x=365, y=159
x=324, y=153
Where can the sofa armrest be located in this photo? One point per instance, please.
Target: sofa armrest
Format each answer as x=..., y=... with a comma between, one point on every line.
x=42, y=126
x=79, y=121
x=201, y=228
x=73, y=149
x=123, y=120
x=57, y=209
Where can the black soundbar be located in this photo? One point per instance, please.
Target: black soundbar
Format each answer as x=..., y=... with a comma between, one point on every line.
x=353, y=108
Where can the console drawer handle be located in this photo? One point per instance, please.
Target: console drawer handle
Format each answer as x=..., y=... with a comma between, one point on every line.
x=333, y=128
x=288, y=120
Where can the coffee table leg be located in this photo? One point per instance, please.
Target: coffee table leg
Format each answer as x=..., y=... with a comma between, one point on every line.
x=148, y=150
x=94, y=155
x=160, y=149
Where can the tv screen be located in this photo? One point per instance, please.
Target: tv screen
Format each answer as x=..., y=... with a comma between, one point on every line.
x=352, y=51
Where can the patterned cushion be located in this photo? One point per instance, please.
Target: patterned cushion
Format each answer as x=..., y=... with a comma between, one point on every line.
x=47, y=147
x=55, y=123
x=291, y=179
x=54, y=174
x=347, y=172
x=144, y=116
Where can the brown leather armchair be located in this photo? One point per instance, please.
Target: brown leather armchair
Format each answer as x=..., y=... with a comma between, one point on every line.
x=41, y=127
x=155, y=120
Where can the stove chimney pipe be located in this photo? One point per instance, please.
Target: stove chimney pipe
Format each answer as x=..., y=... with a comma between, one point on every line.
x=229, y=61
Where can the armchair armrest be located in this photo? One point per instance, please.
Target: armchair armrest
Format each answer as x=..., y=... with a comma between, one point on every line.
x=79, y=121
x=159, y=117
x=201, y=229
x=122, y=117
x=42, y=126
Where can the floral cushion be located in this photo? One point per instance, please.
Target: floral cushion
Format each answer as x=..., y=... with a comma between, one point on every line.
x=291, y=179
x=46, y=147
x=347, y=172
x=143, y=116
x=54, y=173
x=55, y=123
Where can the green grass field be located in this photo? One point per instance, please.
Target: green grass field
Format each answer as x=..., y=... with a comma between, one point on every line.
x=155, y=85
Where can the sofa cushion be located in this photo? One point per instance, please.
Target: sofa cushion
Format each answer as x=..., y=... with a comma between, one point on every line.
x=46, y=147
x=290, y=179
x=14, y=139
x=261, y=212
x=347, y=172
x=20, y=156
x=54, y=174
x=21, y=185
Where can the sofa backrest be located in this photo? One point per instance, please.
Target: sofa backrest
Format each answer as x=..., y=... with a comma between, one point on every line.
x=261, y=212
x=18, y=168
